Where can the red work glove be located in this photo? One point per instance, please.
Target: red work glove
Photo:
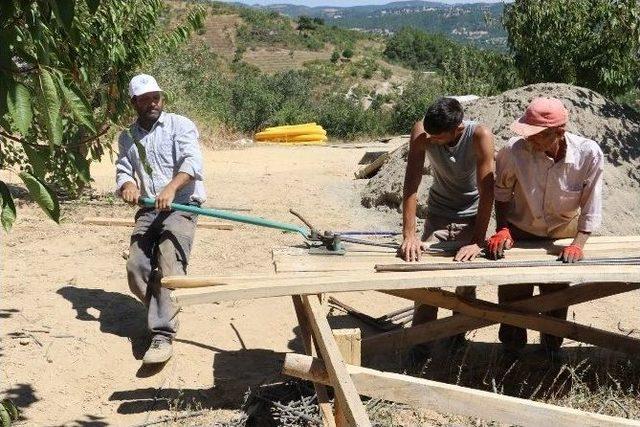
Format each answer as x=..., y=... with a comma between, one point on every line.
x=499, y=242
x=571, y=253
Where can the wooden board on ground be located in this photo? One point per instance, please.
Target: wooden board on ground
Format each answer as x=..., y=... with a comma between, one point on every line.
x=129, y=222
x=225, y=289
x=447, y=398
x=371, y=169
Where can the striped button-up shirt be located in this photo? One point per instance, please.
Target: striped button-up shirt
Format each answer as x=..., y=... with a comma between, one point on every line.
x=551, y=199
x=171, y=146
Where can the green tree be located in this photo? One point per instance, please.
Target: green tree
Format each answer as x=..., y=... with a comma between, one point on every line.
x=418, y=93
x=591, y=43
x=347, y=53
x=469, y=70
x=419, y=50
x=64, y=69
x=335, y=56
x=305, y=23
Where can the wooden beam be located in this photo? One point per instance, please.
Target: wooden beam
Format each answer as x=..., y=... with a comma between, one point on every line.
x=370, y=169
x=449, y=326
x=599, y=243
x=539, y=322
x=310, y=348
x=327, y=264
x=349, y=343
x=129, y=222
x=272, y=286
x=345, y=392
x=453, y=399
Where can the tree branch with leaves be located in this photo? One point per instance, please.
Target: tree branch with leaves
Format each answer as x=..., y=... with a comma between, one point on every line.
x=64, y=70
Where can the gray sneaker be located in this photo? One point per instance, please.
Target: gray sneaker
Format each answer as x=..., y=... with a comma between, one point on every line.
x=159, y=351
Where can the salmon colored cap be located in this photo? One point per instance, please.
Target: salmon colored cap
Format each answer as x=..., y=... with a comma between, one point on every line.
x=542, y=113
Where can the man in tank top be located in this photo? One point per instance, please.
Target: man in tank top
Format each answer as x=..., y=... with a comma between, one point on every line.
x=548, y=186
x=460, y=199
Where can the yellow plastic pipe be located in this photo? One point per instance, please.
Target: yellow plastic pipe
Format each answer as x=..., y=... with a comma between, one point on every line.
x=291, y=126
x=290, y=133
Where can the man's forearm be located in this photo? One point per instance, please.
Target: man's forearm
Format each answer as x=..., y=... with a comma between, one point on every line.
x=581, y=238
x=409, y=208
x=127, y=185
x=482, y=220
x=180, y=180
x=502, y=208
x=485, y=205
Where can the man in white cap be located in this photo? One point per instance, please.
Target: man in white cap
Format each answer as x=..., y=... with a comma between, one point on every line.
x=162, y=238
x=548, y=186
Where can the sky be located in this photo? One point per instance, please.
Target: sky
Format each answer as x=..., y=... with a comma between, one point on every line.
x=346, y=3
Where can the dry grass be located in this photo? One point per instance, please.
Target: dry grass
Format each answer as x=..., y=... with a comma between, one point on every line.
x=220, y=34
x=583, y=378
x=272, y=60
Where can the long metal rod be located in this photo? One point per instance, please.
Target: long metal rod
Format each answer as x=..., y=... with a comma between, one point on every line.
x=216, y=213
x=501, y=264
x=368, y=233
x=368, y=243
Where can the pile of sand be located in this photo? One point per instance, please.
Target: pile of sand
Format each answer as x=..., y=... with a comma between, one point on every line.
x=614, y=127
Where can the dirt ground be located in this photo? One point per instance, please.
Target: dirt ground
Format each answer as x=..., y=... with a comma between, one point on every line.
x=72, y=334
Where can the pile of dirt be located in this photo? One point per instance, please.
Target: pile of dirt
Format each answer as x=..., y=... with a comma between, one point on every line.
x=613, y=126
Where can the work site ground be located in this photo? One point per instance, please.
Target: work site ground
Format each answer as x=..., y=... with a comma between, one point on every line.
x=73, y=334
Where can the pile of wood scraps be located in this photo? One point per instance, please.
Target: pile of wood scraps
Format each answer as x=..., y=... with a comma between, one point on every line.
x=332, y=357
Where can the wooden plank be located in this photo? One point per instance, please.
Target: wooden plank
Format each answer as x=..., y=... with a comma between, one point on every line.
x=349, y=343
x=451, y=399
x=230, y=290
x=538, y=322
x=597, y=244
x=324, y=403
x=130, y=222
x=345, y=392
x=327, y=264
x=403, y=338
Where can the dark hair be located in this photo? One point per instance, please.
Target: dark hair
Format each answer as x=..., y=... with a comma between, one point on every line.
x=444, y=115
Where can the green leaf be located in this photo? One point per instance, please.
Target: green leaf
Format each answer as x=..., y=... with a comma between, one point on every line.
x=19, y=106
x=7, y=9
x=42, y=195
x=11, y=408
x=8, y=213
x=63, y=11
x=143, y=157
x=37, y=159
x=50, y=107
x=4, y=91
x=82, y=167
x=142, y=153
x=93, y=5
x=78, y=105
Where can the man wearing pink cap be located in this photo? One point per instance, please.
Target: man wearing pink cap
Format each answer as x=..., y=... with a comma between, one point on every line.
x=548, y=186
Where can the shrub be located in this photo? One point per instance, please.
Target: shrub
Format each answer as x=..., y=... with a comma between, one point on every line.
x=419, y=92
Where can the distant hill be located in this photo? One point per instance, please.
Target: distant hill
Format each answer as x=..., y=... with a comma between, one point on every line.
x=475, y=23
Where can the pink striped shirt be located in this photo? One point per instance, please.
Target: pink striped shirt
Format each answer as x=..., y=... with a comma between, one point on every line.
x=550, y=199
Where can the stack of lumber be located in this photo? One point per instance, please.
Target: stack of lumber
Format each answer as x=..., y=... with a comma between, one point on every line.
x=306, y=134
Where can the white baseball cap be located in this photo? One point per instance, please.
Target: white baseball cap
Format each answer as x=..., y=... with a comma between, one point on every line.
x=141, y=84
